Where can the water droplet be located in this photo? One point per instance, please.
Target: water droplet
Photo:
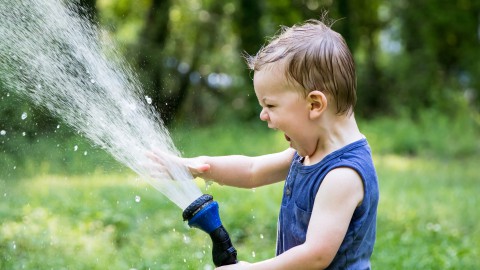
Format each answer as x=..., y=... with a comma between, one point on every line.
x=14, y=245
x=24, y=115
x=253, y=254
x=58, y=126
x=138, y=198
x=85, y=153
x=14, y=167
x=434, y=227
x=75, y=148
x=39, y=87
x=5, y=194
x=199, y=255
x=173, y=229
x=208, y=184
x=261, y=236
x=186, y=239
x=148, y=99
x=3, y=132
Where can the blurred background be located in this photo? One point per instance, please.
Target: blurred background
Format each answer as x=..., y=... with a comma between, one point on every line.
x=66, y=204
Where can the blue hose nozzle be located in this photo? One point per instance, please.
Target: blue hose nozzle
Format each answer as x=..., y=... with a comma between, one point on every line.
x=203, y=214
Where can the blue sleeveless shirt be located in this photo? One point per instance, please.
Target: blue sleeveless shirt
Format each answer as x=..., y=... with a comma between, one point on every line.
x=299, y=193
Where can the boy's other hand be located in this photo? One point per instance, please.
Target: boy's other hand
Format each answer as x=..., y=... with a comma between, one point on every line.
x=239, y=265
x=196, y=166
x=161, y=159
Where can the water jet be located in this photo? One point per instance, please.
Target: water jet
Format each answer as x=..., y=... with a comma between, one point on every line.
x=54, y=57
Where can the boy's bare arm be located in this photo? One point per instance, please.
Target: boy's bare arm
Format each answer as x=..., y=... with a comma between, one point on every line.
x=242, y=171
x=339, y=194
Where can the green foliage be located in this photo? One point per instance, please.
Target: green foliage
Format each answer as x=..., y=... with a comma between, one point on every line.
x=251, y=138
x=429, y=133
x=409, y=55
x=27, y=154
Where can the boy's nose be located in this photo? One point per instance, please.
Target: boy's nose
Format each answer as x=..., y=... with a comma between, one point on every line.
x=263, y=115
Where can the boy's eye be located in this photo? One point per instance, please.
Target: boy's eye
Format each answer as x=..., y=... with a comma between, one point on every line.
x=269, y=106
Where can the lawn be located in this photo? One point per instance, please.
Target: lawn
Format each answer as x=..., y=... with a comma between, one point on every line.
x=427, y=217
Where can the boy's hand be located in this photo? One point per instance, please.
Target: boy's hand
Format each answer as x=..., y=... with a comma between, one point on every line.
x=238, y=266
x=196, y=166
x=161, y=160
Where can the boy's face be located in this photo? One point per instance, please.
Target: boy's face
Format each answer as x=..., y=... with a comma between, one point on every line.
x=285, y=108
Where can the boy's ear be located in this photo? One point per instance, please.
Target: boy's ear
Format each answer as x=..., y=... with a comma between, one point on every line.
x=317, y=102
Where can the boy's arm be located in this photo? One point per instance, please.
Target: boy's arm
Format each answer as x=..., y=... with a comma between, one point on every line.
x=242, y=171
x=339, y=194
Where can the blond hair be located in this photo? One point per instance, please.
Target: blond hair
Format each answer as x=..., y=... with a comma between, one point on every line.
x=317, y=58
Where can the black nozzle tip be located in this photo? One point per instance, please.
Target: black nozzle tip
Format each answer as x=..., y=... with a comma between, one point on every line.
x=195, y=206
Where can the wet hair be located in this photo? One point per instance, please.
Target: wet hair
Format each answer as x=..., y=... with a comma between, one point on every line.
x=317, y=58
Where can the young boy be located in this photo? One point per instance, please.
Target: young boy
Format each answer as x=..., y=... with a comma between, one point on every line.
x=305, y=82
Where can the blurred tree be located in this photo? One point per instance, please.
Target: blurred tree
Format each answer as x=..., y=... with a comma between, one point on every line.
x=207, y=41
x=247, y=25
x=150, y=59
x=180, y=45
x=361, y=31
x=281, y=13
x=183, y=44
x=441, y=52
x=172, y=53
x=183, y=49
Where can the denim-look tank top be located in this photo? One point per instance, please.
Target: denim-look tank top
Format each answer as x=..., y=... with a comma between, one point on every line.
x=299, y=193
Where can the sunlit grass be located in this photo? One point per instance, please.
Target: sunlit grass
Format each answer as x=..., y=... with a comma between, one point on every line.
x=427, y=219
x=428, y=214
x=118, y=221
x=110, y=219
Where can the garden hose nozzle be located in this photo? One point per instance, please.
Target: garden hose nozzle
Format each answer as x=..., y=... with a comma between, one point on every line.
x=203, y=214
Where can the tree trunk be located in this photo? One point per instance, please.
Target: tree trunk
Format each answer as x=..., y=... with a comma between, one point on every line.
x=247, y=25
x=150, y=59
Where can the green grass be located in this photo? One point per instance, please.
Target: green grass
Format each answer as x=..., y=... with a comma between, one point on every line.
x=96, y=222
x=427, y=216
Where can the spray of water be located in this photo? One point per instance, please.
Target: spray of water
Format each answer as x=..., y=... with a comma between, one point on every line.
x=57, y=59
